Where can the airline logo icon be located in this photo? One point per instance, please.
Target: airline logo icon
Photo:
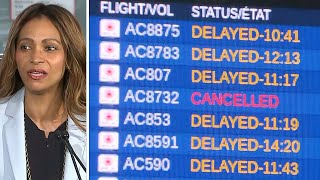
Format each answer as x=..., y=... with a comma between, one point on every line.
x=108, y=163
x=109, y=95
x=109, y=118
x=108, y=140
x=110, y=28
x=109, y=73
x=109, y=50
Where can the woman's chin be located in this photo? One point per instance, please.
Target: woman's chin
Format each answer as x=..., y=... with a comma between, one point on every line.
x=37, y=90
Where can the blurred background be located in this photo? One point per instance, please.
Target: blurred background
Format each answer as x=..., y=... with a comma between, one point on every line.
x=9, y=8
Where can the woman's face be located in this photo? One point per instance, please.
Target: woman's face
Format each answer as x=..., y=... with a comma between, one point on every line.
x=40, y=56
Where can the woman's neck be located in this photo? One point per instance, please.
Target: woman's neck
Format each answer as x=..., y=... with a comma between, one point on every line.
x=46, y=110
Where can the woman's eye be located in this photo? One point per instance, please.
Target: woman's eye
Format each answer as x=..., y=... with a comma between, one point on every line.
x=50, y=48
x=25, y=47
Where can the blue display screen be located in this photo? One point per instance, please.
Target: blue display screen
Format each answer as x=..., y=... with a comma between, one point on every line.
x=190, y=91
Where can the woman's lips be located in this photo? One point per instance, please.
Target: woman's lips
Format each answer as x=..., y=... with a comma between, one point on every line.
x=37, y=74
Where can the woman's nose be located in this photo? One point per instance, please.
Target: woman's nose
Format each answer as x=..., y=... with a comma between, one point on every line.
x=37, y=56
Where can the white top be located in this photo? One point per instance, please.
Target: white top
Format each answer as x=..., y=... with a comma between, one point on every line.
x=12, y=141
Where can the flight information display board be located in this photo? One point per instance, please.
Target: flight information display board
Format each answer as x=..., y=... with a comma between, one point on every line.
x=203, y=91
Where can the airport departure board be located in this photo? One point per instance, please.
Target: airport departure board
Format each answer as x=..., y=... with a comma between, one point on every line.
x=187, y=90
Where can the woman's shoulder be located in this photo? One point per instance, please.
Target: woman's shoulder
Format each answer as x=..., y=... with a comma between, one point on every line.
x=3, y=107
x=18, y=96
x=74, y=126
x=11, y=101
x=4, y=103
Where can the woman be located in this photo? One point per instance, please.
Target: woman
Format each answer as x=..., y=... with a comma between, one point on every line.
x=42, y=91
